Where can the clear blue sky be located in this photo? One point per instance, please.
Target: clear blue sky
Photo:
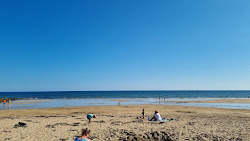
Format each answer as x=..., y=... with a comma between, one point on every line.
x=124, y=45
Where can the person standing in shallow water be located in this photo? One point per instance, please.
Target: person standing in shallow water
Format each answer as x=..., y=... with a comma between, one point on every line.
x=9, y=104
x=84, y=136
x=4, y=102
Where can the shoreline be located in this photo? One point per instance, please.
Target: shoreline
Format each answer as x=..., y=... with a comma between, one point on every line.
x=23, y=101
x=198, y=102
x=221, y=100
x=99, y=108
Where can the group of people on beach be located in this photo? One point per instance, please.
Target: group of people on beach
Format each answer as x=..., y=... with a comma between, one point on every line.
x=156, y=116
x=86, y=132
x=4, y=103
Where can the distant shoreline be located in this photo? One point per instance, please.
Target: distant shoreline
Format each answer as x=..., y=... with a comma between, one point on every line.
x=229, y=100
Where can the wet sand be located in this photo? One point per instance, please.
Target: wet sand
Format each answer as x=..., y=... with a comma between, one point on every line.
x=216, y=101
x=30, y=101
x=119, y=100
x=121, y=123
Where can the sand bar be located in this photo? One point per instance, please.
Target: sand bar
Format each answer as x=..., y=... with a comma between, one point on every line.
x=119, y=100
x=216, y=101
x=30, y=101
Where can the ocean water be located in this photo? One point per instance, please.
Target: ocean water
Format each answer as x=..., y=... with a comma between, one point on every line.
x=125, y=94
x=98, y=98
x=53, y=103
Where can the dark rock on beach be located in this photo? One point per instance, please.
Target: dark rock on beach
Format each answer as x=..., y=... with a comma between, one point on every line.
x=20, y=124
x=132, y=136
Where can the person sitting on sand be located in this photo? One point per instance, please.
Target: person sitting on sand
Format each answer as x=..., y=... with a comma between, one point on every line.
x=156, y=117
x=85, y=135
x=90, y=116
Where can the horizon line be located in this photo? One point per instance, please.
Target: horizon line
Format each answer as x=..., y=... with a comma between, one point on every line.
x=116, y=90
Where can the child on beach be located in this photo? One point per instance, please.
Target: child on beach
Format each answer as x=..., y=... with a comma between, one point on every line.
x=90, y=116
x=142, y=113
x=84, y=136
x=4, y=102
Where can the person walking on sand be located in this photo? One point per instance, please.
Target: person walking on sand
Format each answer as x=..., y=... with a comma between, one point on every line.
x=90, y=116
x=84, y=136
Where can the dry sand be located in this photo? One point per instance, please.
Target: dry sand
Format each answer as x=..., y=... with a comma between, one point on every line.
x=120, y=123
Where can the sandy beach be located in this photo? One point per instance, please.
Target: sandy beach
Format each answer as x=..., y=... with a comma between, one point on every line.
x=121, y=123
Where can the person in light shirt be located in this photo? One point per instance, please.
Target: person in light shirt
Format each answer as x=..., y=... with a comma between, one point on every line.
x=9, y=104
x=156, y=117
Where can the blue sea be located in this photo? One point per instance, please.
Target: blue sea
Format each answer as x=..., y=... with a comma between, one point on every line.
x=95, y=98
x=126, y=94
